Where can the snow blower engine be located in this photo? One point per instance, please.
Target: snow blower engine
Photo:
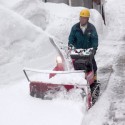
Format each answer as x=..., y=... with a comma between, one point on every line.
x=82, y=60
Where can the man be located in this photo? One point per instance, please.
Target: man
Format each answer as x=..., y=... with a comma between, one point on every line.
x=83, y=35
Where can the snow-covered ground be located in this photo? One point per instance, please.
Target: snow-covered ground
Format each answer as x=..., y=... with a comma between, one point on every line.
x=24, y=42
x=110, y=110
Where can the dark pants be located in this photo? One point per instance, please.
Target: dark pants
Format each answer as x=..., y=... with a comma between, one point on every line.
x=94, y=65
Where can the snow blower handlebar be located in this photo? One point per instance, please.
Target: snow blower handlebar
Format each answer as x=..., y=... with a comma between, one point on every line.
x=85, y=54
x=26, y=75
x=25, y=70
x=89, y=51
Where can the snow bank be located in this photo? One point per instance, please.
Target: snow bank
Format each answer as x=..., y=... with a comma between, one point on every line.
x=75, y=78
x=71, y=78
x=18, y=107
x=62, y=17
x=57, y=19
x=20, y=42
x=114, y=20
x=109, y=109
x=25, y=44
x=32, y=10
x=9, y=3
x=18, y=35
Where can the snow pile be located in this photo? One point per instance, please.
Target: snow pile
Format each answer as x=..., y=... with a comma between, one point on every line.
x=115, y=20
x=20, y=42
x=62, y=78
x=23, y=43
x=71, y=78
x=13, y=30
x=17, y=107
x=9, y=3
x=25, y=40
x=32, y=10
x=55, y=17
x=109, y=110
x=62, y=17
x=76, y=95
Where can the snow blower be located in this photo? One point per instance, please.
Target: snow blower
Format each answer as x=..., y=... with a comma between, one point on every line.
x=61, y=81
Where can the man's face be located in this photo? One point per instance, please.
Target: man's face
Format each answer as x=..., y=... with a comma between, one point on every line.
x=84, y=20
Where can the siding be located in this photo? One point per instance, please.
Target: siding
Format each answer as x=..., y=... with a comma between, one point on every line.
x=85, y=3
x=88, y=3
x=77, y=2
x=59, y=1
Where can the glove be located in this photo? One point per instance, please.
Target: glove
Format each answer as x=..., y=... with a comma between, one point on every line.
x=71, y=47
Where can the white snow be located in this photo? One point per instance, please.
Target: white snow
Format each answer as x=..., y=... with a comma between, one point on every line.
x=24, y=42
x=17, y=107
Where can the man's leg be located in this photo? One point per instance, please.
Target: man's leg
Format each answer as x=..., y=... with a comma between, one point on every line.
x=95, y=69
x=95, y=87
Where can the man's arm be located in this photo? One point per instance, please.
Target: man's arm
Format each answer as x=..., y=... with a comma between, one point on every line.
x=94, y=38
x=72, y=37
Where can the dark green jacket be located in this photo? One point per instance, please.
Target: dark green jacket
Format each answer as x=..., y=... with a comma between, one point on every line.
x=87, y=40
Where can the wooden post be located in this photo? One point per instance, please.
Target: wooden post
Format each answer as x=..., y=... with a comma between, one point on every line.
x=70, y=3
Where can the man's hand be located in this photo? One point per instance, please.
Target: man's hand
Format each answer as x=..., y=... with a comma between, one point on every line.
x=71, y=47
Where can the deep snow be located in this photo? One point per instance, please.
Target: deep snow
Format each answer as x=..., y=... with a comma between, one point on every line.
x=23, y=43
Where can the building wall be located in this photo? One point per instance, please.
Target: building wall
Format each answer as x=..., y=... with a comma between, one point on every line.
x=88, y=3
x=76, y=2
x=95, y=4
x=85, y=3
x=58, y=1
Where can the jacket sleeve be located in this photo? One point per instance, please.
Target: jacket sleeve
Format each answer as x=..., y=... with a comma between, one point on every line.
x=72, y=37
x=94, y=38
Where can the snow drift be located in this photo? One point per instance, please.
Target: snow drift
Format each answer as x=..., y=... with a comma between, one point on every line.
x=24, y=43
x=20, y=42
